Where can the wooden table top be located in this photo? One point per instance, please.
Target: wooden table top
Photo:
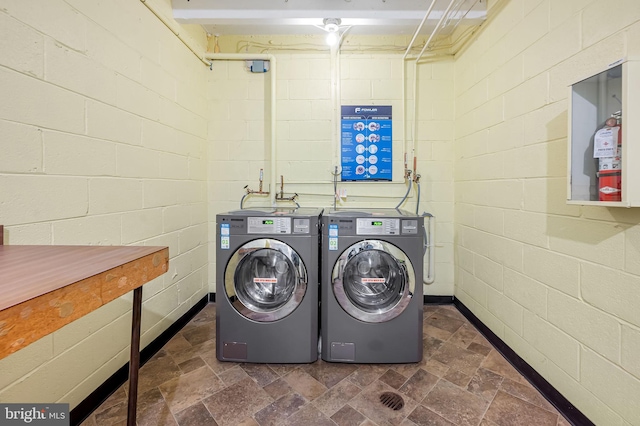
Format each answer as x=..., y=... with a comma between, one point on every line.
x=43, y=288
x=30, y=271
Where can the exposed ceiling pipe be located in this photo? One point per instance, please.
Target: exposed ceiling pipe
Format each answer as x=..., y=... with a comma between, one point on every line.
x=335, y=106
x=404, y=85
x=415, y=35
x=435, y=30
x=272, y=70
x=465, y=14
x=176, y=33
x=336, y=100
x=428, y=246
x=458, y=21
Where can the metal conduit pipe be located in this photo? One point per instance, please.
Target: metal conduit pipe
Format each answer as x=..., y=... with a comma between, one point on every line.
x=430, y=247
x=335, y=132
x=338, y=115
x=414, y=123
x=176, y=33
x=328, y=193
x=272, y=70
x=465, y=14
x=430, y=235
x=404, y=82
x=415, y=35
x=336, y=94
x=436, y=29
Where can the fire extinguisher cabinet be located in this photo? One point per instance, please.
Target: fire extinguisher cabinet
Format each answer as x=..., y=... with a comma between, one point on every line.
x=604, y=126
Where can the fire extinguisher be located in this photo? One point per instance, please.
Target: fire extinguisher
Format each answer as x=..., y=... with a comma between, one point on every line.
x=608, y=150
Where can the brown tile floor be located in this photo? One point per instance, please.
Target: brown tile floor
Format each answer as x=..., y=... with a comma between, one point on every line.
x=462, y=380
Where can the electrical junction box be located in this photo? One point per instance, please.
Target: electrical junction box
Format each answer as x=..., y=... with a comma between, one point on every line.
x=258, y=66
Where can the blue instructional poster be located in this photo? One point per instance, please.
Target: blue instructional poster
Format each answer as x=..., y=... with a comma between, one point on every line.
x=366, y=143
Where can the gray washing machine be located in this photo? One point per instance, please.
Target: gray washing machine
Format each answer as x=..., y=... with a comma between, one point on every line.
x=371, y=286
x=267, y=285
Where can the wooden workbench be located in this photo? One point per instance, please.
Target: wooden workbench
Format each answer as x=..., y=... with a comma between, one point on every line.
x=44, y=288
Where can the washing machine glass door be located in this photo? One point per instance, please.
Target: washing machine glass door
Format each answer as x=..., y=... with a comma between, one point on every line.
x=265, y=280
x=373, y=281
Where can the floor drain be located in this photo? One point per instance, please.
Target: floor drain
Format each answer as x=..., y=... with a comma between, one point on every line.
x=392, y=400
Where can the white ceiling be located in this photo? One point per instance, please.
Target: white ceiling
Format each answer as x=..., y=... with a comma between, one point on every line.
x=274, y=17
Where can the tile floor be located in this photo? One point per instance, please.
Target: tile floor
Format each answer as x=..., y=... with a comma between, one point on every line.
x=462, y=380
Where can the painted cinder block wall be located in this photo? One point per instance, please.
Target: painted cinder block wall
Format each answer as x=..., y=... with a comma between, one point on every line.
x=556, y=282
x=305, y=148
x=102, y=141
x=560, y=284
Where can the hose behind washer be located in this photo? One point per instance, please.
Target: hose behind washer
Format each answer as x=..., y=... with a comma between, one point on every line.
x=405, y=195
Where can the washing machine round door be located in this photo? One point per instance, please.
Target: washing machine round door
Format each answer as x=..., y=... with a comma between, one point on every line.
x=265, y=280
x=373, y=281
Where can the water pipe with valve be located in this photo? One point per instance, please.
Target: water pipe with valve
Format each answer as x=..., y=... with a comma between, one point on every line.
x=407, y=178
x=250, y=191
x=429, y=231
x=281, y=197
x=416, y=180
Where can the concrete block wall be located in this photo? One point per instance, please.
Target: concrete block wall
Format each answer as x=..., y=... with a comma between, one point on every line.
x=306, y=151
x=558, y=283
x=103, y=135
x=109, y=138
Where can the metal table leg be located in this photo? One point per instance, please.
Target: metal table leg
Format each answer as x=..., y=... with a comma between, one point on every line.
x=134, y=357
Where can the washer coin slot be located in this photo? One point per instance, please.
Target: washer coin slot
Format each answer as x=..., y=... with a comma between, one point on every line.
x=301, y=226
x=409, y=226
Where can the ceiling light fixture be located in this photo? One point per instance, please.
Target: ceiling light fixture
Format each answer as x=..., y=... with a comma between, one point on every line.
x=331, y=26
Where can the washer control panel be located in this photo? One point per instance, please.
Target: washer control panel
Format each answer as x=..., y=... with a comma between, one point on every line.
x=377, y=226
x=269, y=225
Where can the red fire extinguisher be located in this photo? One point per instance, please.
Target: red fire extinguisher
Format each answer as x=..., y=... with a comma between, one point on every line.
x=608, y=149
